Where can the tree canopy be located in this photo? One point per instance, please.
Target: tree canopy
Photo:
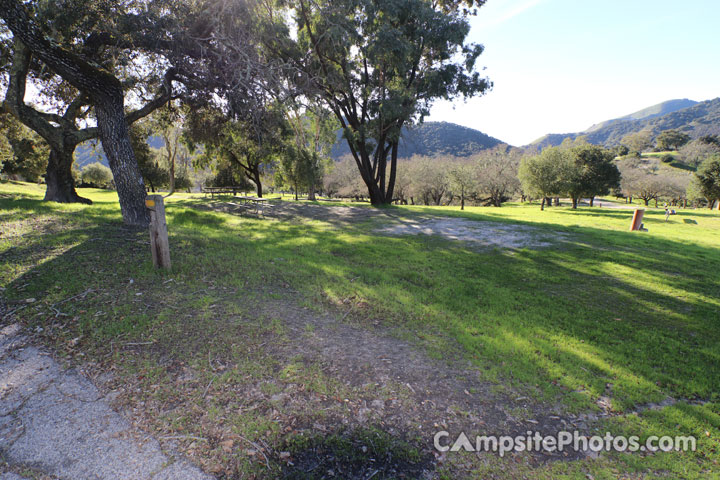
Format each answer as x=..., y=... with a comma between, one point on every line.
x=671, y=140
x=542, y=175
x=379, y=65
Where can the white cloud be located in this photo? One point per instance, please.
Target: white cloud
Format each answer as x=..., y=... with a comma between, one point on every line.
x=492, y=17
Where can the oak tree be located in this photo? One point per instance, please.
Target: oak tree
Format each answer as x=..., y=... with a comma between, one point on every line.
x=378, y=65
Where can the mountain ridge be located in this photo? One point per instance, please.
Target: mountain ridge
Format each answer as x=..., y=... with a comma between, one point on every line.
x=431, y=139
x=658, y=110
x=697, y=119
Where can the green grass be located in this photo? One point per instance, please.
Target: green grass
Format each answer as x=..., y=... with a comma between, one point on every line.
x=638, y=311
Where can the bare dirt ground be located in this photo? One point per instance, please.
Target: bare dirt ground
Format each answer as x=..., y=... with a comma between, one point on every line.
x=475, y=233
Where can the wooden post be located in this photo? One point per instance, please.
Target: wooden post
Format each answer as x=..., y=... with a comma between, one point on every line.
x=159, y=244
x=637, y=219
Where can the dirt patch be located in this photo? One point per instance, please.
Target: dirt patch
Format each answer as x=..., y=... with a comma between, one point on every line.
x=397, y=384
x=477, y=233
x=317, y=395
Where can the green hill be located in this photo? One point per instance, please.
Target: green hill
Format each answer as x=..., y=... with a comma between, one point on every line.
x=696, y=120
x=647, y=113
x=433, y=138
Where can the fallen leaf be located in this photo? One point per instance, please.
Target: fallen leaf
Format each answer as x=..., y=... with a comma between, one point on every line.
x=227, y=445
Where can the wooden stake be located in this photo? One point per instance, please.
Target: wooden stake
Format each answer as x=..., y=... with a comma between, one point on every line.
x=159, y=244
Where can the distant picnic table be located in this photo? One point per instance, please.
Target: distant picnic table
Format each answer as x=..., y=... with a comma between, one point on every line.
x=255, y=205
x=220, y=190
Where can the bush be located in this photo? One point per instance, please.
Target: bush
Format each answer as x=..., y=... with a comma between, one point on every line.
x=97, y=175
x=183, y=182
x=667, y=158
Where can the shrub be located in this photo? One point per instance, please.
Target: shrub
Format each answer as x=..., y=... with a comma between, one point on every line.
x=97, y=175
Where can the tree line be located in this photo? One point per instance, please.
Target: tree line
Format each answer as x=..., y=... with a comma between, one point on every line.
x=575, y=170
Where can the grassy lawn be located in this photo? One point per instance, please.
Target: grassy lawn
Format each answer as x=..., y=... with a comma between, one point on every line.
x=602, y=321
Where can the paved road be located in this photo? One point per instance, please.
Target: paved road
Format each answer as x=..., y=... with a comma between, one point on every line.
x=56, y=422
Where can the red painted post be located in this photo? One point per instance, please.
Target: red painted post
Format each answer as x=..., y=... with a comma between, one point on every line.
x=637, y=220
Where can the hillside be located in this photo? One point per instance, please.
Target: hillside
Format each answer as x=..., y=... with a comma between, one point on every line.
x=433, y=138
x=696, y=120
x=647, y=113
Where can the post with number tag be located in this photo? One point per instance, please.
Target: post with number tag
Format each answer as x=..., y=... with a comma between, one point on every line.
x=159, y=243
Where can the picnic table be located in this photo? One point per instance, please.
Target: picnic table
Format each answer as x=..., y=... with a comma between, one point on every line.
x=255, y=203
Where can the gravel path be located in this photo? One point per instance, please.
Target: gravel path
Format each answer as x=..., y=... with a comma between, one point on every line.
x=55, y=422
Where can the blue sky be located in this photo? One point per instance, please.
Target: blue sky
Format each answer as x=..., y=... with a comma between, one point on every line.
x=561, y=65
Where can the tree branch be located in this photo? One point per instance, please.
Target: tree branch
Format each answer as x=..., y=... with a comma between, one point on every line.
x=15, y=97
x=87, y=77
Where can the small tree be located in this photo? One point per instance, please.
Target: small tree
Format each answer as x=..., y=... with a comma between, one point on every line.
x=643, y=184
x=315, y=131
x=25, y=153
x=6, y=153
x=541, y=175
x=175, y=152
x=694, y=193
x=250, y=145
x=497, y=177
x=591, y=173
x=671, y=140
x=638, y=142
x=152, y=172
x=708, y=179
x=462, y=179
x=97, y=175
x=297, y=169
x=428, y=180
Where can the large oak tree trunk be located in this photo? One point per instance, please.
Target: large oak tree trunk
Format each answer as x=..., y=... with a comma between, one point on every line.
x=59, y=179
x=116, y=143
